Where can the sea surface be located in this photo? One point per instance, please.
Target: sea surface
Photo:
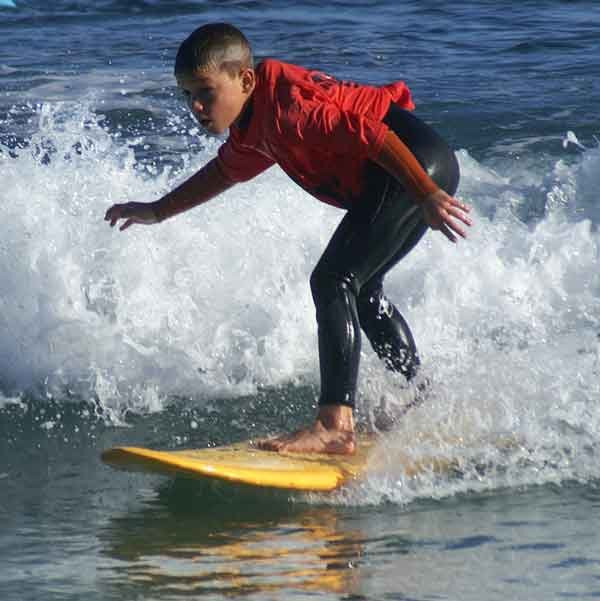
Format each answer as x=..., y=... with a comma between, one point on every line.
x=201, y=331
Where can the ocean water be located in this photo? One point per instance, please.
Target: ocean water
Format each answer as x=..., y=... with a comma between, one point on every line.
x=201, y=331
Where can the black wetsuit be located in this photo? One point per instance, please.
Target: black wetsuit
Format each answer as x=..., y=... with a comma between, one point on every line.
x=347, y=283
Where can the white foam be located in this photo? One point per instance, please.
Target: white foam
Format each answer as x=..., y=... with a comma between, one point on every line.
x=217, y=300
x=213, y=302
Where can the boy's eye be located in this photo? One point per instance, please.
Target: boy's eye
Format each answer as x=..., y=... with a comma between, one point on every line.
x=203, y=95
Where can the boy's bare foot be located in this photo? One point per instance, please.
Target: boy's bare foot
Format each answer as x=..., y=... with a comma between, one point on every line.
x=333, y=432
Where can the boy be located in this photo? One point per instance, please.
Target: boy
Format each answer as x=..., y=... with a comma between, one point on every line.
x=356, y=147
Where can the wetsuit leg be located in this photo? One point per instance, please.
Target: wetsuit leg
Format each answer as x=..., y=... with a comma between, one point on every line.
x=387, y=330
x=347, y=283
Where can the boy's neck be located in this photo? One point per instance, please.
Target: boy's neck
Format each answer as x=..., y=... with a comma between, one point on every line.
x=245, y=116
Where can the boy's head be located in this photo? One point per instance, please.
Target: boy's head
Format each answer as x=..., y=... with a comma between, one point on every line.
x=214, y=46
x=214, y=68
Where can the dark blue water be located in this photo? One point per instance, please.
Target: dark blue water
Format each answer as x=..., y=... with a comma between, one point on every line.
x=201, y=331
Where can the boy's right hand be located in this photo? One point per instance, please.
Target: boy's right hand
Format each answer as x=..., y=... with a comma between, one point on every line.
x=132, y=212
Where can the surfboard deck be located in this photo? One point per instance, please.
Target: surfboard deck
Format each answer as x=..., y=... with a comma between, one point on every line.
x=245, y=464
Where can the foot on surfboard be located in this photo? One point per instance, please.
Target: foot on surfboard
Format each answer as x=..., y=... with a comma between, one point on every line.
x=316, y=439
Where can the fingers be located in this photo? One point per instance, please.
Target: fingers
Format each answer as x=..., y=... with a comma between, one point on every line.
x=114, y=214
x=465, y=208
x=446, y=215
x=451, y=226
x=124, y=211
x=458, y=210
x=131, y=212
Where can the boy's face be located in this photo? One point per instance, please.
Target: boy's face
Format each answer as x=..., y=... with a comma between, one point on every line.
x=215, y=97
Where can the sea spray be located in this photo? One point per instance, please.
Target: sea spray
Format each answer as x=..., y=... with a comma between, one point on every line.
x=216, y=302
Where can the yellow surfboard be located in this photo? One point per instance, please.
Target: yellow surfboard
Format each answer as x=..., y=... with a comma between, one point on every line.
x=245, y=464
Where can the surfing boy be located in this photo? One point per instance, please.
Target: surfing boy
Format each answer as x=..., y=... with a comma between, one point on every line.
x=353, y=146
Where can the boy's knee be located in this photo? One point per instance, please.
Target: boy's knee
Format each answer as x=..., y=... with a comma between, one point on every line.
x=328, y=285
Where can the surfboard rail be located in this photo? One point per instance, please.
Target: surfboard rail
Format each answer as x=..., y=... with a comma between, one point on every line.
x=243, y=464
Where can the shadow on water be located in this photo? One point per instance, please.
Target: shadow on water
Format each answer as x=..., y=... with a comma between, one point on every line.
x=196, y=538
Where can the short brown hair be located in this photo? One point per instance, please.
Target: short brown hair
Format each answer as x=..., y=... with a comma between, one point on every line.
x=216, y=45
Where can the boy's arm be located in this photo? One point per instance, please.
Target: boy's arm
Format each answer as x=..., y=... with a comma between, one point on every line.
x=441, y=209
x=207, y=183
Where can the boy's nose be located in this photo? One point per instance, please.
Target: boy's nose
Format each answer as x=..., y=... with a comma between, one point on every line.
x=197, y=106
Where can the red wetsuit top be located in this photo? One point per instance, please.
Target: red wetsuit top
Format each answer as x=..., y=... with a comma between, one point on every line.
x=319, y=130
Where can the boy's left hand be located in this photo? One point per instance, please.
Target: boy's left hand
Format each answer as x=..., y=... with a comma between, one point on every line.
x=443, y=212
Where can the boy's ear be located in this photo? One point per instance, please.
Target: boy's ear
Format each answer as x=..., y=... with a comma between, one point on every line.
x=248, y=79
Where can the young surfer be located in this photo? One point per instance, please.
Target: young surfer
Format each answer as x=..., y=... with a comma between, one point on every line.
x=354, y=146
